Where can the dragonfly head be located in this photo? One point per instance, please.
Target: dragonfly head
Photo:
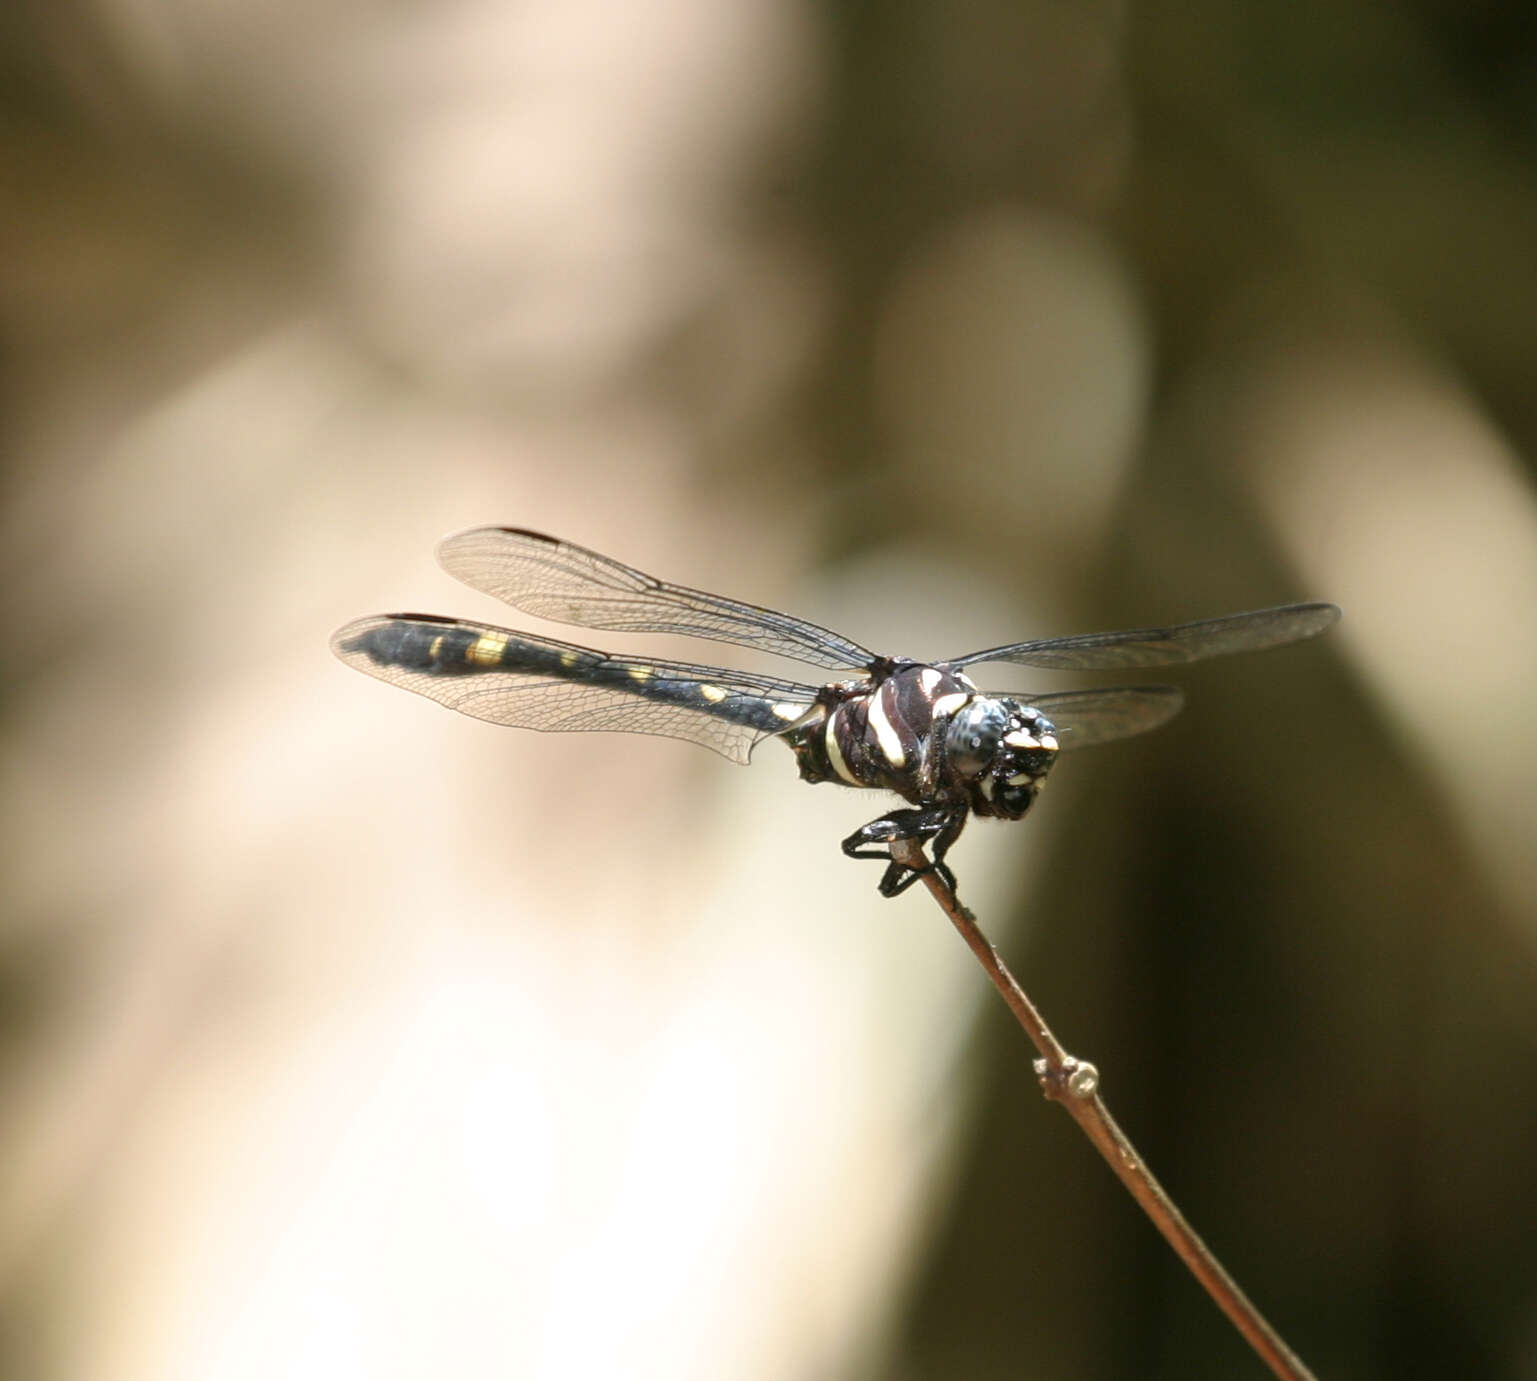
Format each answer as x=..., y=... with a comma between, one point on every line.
x=1001, y=750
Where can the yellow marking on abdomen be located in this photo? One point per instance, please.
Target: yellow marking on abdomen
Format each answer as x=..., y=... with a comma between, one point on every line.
x=435, y=648
x=638, y=673
x=487, y=650
x=714, y=694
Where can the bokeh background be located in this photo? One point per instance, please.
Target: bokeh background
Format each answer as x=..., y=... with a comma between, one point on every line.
x=346, y=1038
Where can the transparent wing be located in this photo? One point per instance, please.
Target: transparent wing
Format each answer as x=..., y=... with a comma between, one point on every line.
x=1161, y=647
x=1086, y=717
x=569, y=584
x=513, y=678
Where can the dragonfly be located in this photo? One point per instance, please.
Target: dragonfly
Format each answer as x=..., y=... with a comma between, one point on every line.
x=922, y=731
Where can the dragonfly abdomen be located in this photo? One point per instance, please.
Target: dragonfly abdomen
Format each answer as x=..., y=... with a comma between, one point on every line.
x=446, y=647
x=450, y=648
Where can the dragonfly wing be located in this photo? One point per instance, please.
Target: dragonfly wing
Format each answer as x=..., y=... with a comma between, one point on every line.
x=1087, y=717
x=570, y=584
x=1159, y=647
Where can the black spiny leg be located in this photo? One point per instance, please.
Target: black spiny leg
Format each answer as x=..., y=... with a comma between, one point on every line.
x=942, y=824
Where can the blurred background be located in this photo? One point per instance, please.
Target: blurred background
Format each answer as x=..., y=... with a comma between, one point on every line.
x=345, y=1037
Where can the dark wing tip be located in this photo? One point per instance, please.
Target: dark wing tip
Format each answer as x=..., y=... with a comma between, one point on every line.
x=492, y=529
x=525, y=532
x=443, y=619
x=512, y=532
x=1298, y=622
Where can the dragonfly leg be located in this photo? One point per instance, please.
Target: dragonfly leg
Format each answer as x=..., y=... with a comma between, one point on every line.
x=942, y=824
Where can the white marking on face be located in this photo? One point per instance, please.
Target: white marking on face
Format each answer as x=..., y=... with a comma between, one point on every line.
x=835, y=753
x=928, y=678
x=1022, y=779
x=1049, y=741
x=885, y=733
x=1020, y=739
x=950, y=703
x=987, y=785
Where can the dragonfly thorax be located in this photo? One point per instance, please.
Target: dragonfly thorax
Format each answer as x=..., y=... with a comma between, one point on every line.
x=1002, y=750
x=927, y=733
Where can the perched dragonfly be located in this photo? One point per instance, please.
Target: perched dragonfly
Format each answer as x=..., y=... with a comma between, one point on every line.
x=920, y=729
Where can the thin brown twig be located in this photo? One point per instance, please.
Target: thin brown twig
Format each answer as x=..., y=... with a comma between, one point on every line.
x=1074, y=1084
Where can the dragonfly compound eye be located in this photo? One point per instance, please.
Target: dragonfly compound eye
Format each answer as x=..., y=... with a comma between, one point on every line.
x=975, y=733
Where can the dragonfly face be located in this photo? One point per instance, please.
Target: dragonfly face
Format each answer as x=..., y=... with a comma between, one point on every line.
x=921, y=730
x=1005, y=749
